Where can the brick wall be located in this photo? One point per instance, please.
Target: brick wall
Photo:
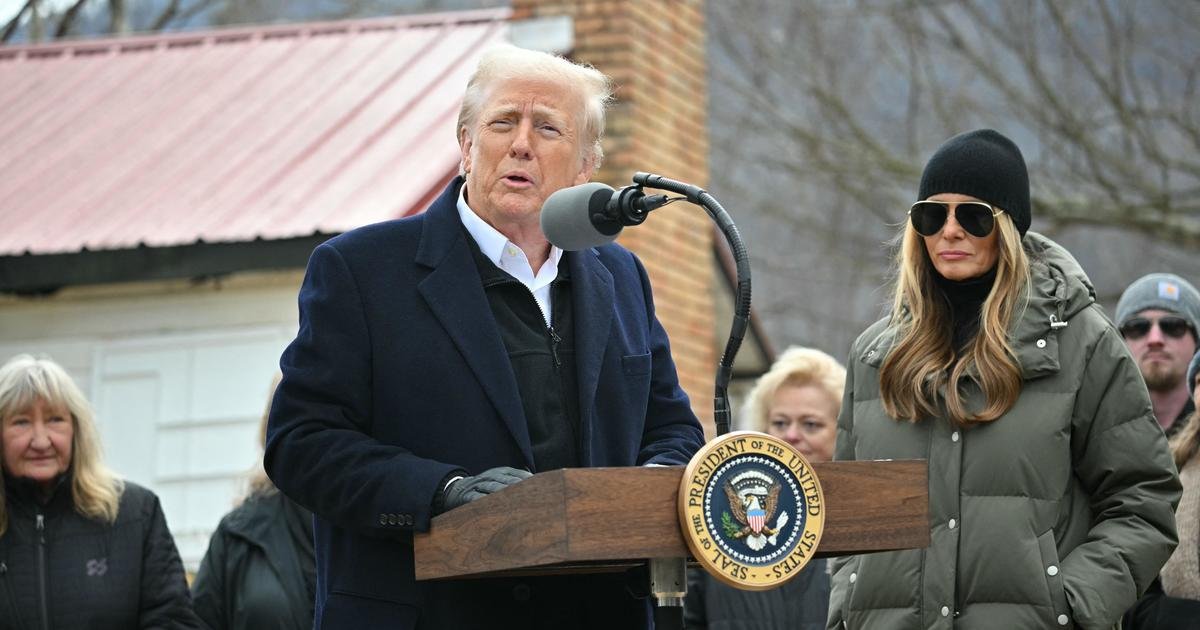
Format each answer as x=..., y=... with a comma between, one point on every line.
x=655, y=52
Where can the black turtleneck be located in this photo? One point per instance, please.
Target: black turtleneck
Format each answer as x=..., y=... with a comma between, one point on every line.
x=965, y=298
x=25, y=491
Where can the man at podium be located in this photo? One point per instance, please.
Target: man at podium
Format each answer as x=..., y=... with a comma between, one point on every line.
x=445, y=356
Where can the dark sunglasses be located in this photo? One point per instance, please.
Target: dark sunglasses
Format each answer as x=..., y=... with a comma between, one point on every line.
x=1138, y=327
x=976, y=217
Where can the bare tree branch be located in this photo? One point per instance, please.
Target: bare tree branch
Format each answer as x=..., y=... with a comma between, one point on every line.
x=35, y=21
x=168, y=13
x=68, y=20
x=118, y=22
x=11, y=27
x=197, y=8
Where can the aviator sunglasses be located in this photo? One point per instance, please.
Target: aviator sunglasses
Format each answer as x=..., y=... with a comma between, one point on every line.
x=976, y=217
x=1171, y=326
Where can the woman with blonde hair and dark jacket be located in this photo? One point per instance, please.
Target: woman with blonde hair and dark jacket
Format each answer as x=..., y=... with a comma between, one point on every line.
x=1051, y=491
x=259, y=572
x=79, y=547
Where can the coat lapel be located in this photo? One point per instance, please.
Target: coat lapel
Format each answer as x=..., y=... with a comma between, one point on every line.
x=592, y=300
x=455, y=295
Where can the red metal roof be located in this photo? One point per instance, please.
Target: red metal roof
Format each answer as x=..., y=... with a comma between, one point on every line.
x=231, y=135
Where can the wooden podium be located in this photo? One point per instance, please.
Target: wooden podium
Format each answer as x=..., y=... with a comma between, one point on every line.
x=610, y=519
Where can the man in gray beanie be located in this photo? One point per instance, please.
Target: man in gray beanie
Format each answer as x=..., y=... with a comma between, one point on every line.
x=1159, y=316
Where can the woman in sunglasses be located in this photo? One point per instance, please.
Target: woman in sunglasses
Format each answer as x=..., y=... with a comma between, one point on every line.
x=1051, y=490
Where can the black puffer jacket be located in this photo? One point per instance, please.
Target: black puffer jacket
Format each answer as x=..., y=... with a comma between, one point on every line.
x=259, y=572
x=1158, y=611
x=75, y=573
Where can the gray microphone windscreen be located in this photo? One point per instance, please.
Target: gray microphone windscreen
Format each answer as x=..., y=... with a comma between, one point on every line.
x=567, y=217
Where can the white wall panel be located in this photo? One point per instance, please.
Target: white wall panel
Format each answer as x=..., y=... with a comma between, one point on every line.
x=127, y=408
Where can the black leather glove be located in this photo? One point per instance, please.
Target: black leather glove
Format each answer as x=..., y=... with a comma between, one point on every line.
x=467, y=489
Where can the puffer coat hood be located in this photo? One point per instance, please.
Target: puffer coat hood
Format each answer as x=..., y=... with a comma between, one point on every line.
x=1057, y=514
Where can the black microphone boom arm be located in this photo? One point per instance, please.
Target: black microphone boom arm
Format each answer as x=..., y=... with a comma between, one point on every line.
x=741, y=311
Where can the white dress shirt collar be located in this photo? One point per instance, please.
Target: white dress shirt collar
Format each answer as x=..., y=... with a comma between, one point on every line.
x=506, y=255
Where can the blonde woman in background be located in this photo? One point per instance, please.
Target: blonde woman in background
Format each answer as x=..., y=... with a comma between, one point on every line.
x=259, y=573
x=79, y=547
x=797, y=400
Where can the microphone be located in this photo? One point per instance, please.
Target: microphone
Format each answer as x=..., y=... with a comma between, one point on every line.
x=593, y=214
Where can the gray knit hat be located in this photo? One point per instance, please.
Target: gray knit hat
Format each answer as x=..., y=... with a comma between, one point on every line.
x=1163, y=291
x=1193, y=367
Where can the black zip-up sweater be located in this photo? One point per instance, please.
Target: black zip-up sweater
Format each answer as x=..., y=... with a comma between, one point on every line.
x=542, y=355
x=60, y=570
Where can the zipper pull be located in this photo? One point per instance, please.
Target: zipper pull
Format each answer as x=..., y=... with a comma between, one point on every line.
x=41, y=528
x=554, y=341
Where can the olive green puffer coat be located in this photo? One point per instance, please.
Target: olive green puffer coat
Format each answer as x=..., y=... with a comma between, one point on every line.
x=1057, y=514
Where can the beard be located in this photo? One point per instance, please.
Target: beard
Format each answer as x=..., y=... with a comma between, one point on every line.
x=1162, y=377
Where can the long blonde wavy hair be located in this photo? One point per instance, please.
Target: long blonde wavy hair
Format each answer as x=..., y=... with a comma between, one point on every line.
x=923, y=360
x=24, y=379
x=1186, y=443
x=259, y=483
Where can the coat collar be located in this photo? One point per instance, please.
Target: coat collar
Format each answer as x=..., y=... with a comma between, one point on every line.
x=26, y=493
x=455, y=295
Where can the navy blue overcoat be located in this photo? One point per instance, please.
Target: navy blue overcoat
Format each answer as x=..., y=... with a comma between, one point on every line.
x=398, y=376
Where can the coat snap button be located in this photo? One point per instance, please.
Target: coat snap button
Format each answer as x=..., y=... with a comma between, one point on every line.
x=953, y=523
x=954, y=436
x=1062, y=620
x=853, y=578
x=945, y=611
x=1052, y=570
x=1041, y=343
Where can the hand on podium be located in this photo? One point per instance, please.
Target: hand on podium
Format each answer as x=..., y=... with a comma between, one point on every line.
x=463, y=490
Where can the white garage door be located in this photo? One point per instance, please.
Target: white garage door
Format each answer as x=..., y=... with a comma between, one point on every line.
x=179, y=376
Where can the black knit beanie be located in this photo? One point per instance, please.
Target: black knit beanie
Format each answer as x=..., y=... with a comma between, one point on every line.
x=984, y=165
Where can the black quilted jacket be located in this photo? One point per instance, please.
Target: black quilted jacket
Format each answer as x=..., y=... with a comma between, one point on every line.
x=60, y=570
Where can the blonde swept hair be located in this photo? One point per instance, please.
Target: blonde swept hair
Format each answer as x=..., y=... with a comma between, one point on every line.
x=259, y=483
x=923, y=360
x=796, y=367
x=505, y=62
x=1186, y=443
x=24, y=380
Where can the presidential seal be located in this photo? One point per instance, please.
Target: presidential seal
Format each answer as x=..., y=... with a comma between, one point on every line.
x=751, y=509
